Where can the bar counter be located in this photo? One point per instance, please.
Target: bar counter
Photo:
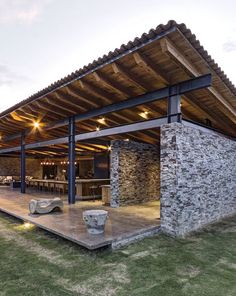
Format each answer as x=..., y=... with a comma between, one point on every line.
x=84, y=187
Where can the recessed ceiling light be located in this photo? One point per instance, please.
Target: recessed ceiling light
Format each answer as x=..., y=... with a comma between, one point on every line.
x=102, y=120
x=144, y=114
x=36, y=124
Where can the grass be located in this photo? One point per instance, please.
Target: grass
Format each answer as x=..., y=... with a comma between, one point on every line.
x=33, y=262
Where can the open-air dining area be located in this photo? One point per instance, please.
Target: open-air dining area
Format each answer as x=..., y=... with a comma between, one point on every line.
x=47, y=178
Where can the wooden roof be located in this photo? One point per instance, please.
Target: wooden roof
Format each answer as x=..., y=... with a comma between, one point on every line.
x=167, y=55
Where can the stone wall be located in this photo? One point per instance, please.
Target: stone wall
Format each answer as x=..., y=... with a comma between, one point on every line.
x=135, y=172
x=198, y=178
x=11, y=167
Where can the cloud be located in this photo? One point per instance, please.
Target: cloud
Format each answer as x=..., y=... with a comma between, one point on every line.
x=21, y=11
x=229, y=46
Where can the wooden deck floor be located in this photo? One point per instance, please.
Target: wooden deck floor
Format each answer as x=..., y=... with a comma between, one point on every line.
x=124, y=224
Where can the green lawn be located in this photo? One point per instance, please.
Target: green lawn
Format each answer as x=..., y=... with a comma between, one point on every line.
x=33, y=262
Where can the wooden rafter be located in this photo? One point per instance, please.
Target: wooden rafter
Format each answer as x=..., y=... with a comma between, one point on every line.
x=80, y=96
x=118, y=68
x=117, y=87
x=150, y=66
x=171, y=50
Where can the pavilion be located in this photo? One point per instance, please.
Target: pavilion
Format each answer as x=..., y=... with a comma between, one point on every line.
x=157, y=117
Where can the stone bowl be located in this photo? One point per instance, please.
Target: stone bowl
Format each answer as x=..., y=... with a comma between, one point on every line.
x=95, y=220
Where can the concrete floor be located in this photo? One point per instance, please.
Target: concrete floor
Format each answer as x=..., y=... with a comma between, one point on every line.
x=123, y=225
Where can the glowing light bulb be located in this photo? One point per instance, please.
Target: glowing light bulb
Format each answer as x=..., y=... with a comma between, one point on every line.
x=36, y=124
x=102, y=120
x=144, y=114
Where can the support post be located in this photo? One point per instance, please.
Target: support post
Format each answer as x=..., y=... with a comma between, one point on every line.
x=71, y=166
x=174, y=109
x=22, y=161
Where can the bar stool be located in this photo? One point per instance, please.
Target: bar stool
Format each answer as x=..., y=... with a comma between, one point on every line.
x=93, y=191
x=51, y=187
x=46, y=186
x=36, y=185
x=40, y=184
x=60, y=188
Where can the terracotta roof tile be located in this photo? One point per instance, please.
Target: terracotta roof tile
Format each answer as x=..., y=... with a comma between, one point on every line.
x=122, y=50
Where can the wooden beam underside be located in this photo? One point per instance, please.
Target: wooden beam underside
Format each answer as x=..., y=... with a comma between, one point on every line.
x=152, y=67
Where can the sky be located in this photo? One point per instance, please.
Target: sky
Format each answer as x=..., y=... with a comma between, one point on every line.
x=42, y=41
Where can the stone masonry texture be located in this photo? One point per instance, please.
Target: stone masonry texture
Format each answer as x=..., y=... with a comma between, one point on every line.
x=135, y=172
x=198, y=178
x=10, y=166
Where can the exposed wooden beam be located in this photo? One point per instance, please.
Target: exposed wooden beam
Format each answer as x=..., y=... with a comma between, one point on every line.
x=79, y=95
x=54, y=105
x=118, y=68
x=49, y=108
x=150, y=66
x=133, y=127
x=170, y=49
x=97, y=92
x=105, y=80
x=213, y=117
x=180, y=88
x=67, y=101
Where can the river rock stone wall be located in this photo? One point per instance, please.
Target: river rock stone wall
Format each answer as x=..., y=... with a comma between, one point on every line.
x=198, y=178
x=135, y=172
x=10, y=166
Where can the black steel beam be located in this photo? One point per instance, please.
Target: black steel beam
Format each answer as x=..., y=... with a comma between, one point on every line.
x=22, y=161
x=174, y=109
x=121, y=129
x=71, y=157
x=177, y=89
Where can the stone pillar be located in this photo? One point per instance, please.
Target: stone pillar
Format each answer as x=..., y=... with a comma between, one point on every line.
x=135, y=172
x=198, y=178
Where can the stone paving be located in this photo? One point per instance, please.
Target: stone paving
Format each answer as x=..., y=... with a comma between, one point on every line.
x=124, y=224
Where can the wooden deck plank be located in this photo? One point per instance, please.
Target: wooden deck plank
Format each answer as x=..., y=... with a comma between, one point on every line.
x=124, y=224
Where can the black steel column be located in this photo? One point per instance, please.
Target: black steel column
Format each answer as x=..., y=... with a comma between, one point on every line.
x=22, y=161
x=71, y=166
x=174, y=109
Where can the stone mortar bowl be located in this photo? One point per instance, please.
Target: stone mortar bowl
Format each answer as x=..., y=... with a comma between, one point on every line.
x=95, y=220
